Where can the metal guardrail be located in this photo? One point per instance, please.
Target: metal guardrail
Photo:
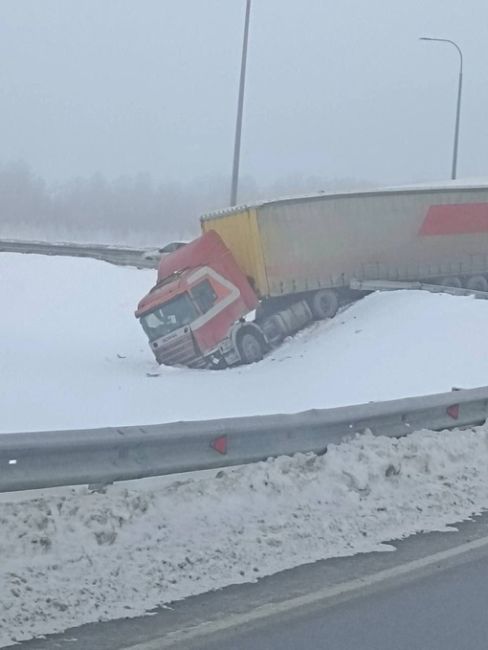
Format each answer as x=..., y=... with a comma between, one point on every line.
x=101, y=456
x=123, y=256
x=394, y=285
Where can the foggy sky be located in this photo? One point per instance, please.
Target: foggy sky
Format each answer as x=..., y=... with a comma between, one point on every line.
x=338, y=89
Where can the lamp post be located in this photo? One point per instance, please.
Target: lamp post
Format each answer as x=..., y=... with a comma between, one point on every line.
x=458, y=105
x=240, y=104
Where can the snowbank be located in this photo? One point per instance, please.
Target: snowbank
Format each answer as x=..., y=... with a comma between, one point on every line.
x=73, y=558
x=72, y=354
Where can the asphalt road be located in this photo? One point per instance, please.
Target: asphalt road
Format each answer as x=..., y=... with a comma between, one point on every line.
x=444, y=611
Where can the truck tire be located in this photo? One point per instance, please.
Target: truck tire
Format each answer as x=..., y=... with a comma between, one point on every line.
x=324, y=304
x=477, y=283
x=273, y=328
x=452, y=282
x=250, y=347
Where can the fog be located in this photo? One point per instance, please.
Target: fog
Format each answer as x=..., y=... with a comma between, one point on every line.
x=118, y=116
x=131, y=210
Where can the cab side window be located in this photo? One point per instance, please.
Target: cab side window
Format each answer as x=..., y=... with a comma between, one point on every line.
x=204, y=295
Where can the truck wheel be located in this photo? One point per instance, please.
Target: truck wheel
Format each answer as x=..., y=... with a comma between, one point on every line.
x=454, y=282
x=273, y=329
x=477, y=283
x=250, y=347
x=324, y=304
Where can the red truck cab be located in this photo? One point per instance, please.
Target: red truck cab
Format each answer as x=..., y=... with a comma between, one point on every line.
x=194, y=314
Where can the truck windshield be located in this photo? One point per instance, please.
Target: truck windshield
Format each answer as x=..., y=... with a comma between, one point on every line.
x=175, y=313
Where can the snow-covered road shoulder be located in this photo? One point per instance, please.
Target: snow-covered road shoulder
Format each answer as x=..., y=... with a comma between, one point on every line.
x=68, y=559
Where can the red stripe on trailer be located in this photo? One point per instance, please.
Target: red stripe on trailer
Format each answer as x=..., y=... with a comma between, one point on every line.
x=453, y=411
x=220, y=444
x=460, y=219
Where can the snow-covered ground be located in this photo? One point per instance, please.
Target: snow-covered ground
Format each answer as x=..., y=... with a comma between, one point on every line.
x=72, y=355
x=80, y=557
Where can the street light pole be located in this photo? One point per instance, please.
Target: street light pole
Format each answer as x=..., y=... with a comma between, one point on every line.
x=458, y=105
x=240, y=104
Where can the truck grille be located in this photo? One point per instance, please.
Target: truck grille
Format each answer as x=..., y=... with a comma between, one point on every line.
x=179, y=351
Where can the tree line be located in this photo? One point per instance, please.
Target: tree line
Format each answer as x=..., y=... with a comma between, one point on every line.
x=131, y=210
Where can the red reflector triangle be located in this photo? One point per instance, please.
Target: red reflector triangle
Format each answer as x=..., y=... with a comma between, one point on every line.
x=220, y=444
x=453, y=411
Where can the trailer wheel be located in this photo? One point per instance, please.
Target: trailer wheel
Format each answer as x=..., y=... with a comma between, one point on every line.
x=273, y=328
x=452, y=282
x=477, y=283
x=250, y=347
x=324, y=304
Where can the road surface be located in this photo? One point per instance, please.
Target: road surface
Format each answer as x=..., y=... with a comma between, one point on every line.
x=443, y=611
